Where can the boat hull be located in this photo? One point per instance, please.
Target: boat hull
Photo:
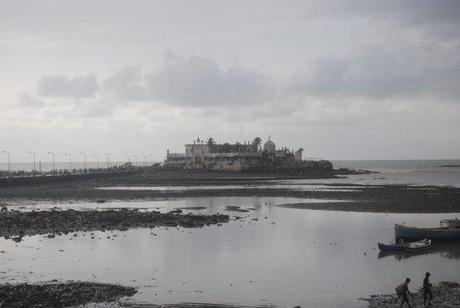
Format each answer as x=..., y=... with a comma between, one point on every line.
x=420, y=233
x=392, y=247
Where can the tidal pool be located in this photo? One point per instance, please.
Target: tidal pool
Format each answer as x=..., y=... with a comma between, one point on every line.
x=271, y=256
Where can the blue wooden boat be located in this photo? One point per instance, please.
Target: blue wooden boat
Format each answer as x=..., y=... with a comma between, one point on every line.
x=392, y=247
x=450, y=229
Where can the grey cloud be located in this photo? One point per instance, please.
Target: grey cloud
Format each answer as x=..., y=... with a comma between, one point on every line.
x=198, y=81
x=377, y=73
x=62, y=86
x=127, y=84
x=438, y=18
x=325, y=78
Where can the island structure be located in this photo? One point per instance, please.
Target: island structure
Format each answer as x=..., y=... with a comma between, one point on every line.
x=249, y=157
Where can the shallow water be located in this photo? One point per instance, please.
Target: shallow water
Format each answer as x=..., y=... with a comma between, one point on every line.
x=287, y=257
x=206, y=205
x=287, y=185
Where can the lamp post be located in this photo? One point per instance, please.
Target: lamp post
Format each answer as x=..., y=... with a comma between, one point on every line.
x=8, y=154
x=30, y=152
x=97, y=160
x=135, y=159
x=145, y=159
x=84, y=160
x=52, y=154
x=70, y=161
x=108, y=157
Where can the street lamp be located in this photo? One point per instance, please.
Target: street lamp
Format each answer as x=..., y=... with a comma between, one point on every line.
x=84, y=160
x=70, y=161
x=135, y=159
x=97, y=160
x=30, y=152
x=108, y=157
x=145, y=159
x=8, y=153
x=52, y=154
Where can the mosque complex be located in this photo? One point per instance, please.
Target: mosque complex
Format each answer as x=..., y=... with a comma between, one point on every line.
x=247, y=156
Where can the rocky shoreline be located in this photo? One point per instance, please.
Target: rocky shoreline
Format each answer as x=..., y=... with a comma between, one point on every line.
x=54, y=294
x=446, y=295
x=16, y=224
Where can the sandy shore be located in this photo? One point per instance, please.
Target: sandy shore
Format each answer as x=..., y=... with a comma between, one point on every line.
x=446, y=295
x=60, y=294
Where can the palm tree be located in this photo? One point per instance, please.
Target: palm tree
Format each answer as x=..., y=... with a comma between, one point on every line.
x=211, y=141
x=257, y=142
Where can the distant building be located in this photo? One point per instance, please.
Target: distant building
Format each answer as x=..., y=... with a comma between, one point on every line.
x=231, y=157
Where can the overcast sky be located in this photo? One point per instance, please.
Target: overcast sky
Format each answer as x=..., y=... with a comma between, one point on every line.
x=348, y=79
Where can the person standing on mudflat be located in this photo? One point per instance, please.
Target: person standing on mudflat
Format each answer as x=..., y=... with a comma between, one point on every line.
x=403, y=291
x=427, y=292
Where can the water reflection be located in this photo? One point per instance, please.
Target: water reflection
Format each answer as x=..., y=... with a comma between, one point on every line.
x=271, y=256
x=445, y=249
x=289, y=186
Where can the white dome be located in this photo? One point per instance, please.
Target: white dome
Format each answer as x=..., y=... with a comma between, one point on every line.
x=269, y=146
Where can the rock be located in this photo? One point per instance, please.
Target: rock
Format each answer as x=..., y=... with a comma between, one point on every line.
x=446, y=294
x=17, y=239
x=60, y=294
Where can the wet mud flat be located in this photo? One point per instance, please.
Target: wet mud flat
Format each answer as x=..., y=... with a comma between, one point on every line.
x=16, y=224
x=445, y=295
x=362, y=198
x=68, y=294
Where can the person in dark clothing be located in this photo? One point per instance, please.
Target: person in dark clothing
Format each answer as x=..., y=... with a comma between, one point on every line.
x=427, y=293
x=403, y=291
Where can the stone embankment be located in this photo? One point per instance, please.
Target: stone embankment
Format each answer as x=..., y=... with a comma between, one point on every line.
x=446, y=295
x=16, y=224
x=60, y=294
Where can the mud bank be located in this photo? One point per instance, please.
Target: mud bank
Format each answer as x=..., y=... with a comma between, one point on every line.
x=362, y=198
x=60, y=294
x=15, y=224
x=445, y=295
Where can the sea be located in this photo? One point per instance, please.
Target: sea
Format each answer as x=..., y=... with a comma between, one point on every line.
x=274, y=255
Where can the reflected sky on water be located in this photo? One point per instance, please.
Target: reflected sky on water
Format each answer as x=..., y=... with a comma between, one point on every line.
x=286, y=257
